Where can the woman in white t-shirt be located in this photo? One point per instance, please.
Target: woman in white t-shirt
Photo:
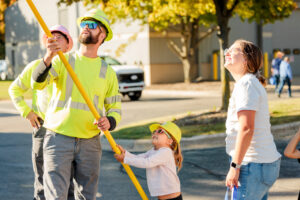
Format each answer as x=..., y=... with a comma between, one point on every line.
x=160, y=162
x=255, y=161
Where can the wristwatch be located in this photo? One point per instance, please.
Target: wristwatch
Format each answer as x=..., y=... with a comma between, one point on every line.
x=234, y=165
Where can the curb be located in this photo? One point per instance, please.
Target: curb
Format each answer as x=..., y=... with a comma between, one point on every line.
x=199, y=141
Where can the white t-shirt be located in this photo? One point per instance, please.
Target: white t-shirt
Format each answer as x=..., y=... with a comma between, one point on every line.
x=160, y=167
x=249, y=94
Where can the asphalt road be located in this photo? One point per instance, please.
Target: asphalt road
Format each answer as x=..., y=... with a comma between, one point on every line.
x=148, y=107
x=202, y=176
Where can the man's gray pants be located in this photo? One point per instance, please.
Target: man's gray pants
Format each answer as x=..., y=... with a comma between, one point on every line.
x=37, y=163
x=60, y=152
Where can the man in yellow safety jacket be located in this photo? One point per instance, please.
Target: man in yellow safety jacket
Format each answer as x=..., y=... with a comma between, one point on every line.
x=36, y=114
x=72, y=136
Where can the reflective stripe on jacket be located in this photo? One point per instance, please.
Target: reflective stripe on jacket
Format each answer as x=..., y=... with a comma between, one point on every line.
x=68, y=114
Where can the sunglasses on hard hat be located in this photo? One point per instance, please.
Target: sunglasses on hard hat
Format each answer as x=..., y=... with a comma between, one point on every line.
x=90, y=24
x=162, y=131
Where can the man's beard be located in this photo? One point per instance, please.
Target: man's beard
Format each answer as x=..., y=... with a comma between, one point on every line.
x=89, y=39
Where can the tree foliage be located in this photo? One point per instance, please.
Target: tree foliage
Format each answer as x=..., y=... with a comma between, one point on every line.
x=261, y=11
x=181, y=16
x=189, y=15
x=265, y=11
x=3, y=5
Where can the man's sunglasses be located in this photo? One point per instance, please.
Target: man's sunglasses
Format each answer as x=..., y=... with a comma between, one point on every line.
x=90, y=24
x=162, y=131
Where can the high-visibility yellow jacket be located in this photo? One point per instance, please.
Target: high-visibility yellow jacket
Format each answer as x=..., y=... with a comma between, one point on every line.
x=40, y=98
x=68, y=114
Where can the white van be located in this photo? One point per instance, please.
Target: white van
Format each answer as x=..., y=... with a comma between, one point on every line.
x=130, y=77
x=3, y=70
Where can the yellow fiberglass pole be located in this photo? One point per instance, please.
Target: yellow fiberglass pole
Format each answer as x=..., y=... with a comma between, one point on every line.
x=88, y=101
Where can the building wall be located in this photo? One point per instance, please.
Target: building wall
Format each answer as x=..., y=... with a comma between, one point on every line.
x=130, y=43
x=22, y=35
x=238, y=30
x=134, y=43
x=165, y=65
x=280, y=35
x=284, y=35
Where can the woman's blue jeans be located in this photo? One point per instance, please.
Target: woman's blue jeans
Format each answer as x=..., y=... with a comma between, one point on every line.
x=284, y=80
x=256, y=179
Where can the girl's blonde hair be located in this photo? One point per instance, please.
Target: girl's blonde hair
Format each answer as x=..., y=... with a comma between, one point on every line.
x=177, y=154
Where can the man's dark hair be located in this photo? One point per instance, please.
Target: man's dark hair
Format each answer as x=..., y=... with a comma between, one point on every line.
x=61, y=34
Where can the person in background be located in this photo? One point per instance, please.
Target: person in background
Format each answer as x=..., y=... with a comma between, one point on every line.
x=285, y=76
x=275, y=68
x=160, y=162
x=255, y=161
x=291, y=150
x=36, y=113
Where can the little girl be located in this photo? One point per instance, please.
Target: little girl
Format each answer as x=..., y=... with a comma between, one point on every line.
x=160, y=162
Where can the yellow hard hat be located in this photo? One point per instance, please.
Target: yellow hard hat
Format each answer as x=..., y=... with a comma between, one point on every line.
x=100, y=16
x=170, y=127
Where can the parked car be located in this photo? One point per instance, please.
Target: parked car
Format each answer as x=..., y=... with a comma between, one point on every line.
x=3, y=70
x=130, y=77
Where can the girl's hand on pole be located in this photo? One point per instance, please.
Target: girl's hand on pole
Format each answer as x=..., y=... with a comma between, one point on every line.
x=120, y=157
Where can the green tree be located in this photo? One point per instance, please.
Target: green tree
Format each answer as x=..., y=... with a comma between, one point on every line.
x=3, y=5
x=261, y=11
x=188, y=16
x=166, y=16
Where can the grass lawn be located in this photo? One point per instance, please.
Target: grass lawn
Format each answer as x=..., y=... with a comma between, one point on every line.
x=4, y=91
x=143, y=132
x=283, y=111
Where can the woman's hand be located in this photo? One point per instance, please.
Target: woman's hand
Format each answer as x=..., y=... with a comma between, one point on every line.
x=232, y=178
x=120, y=157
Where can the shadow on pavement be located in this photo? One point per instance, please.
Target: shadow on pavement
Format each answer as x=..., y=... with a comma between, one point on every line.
x=202, y=176
x=8, y=115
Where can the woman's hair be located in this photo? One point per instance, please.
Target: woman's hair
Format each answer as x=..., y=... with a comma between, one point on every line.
x=254, y=59
x=177, y=154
